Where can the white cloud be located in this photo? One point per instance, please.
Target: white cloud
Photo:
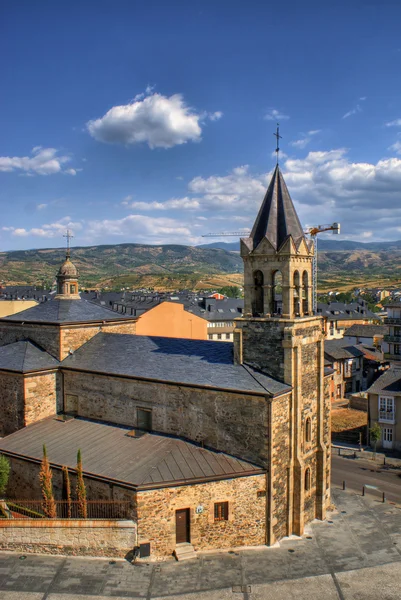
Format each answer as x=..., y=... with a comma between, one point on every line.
x=396, y=147
x=44, y=161
x=141, y=228
x=41, y=206
x=395, y=123
x=216, y=115
x=154, y=119
x=354, y=111
x=305, y=139
x=172, y=204
x=50, y=230
x=275, y=115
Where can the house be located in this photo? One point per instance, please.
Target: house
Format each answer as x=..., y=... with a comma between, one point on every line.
x=347, y=363
x=385, y=408
x=338, y=317
x=11, y=307
x=169, y=319
x=366, y=334
x=392, y=340
x=213, y=445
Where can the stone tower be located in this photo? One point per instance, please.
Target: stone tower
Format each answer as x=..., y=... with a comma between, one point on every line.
x=279, y=335
x=67, y=280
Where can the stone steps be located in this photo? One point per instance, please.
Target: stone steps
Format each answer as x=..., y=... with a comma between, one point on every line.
x=184, y=551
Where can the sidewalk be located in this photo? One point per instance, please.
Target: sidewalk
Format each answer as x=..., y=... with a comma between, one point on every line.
x=342, y=449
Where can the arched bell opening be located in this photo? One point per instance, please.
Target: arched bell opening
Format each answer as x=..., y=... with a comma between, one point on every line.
x=257, y=302
x=305, y=293
x=277, y=293
x=297, y=294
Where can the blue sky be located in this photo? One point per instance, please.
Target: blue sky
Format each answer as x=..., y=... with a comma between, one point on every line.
x=152, y=121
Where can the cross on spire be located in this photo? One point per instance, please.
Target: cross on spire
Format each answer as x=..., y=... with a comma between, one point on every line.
x=69, y=236
x=278, y=137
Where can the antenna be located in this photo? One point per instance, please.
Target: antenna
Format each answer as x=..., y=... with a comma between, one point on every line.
x=278, y=137
x=69, y=236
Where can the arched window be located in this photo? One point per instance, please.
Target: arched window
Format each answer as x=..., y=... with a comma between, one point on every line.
x=307, y=480
x=308, y=430
x=277, y=292
x=297, y=294
x=305, y=292
x=257, y=304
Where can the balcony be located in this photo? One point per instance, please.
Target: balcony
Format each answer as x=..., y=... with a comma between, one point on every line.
x=386, y=416
x=396, y=339
x=392, y=321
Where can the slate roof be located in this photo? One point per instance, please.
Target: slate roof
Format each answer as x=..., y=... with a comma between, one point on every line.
x=24, y=357
x=191, y=362
x=366, y=330
x=147, y=461
x=339, y=311
x=65, y=311
x=277, y=218
x=390, y=381
x=341, y=349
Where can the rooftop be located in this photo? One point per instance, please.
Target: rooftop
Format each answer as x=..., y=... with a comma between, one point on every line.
x=25, y=357
x=340, y=349
x=110, y=452
x=390, y=381
x=65, y=311
x=192, y=362
x=366, y=330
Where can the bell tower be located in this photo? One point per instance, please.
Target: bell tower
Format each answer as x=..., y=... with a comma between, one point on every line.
x=67, y=276
x=280, y=336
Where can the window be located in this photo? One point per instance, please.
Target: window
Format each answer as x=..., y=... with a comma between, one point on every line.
x=219, y=336
x=227, y=336
x=308, y=430
x=210, y=336
x=144, y=418
x=339, y=390
x=387, y=434
x=386, y=408
x=397, y=349
x=307, y=480
x=221, y=511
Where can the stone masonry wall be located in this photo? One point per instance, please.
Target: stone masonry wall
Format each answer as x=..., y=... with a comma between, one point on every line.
x=246, y=515
x=40, y=396
x=225, y=421
x=46, y=336
x=11, y=403
x=99, y=537
x=280, y=461
x=74, y=336
x=262, y=345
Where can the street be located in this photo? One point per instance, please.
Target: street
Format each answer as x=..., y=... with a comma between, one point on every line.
x=357, y=472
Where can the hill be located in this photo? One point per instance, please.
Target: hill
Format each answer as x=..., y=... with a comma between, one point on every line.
x=343, y=265
x=122, y=264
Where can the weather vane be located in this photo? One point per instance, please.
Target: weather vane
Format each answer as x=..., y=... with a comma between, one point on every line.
x=278, y=137
x=69, y=236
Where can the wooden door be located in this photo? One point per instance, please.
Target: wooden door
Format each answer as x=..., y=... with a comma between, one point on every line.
x=182, y=532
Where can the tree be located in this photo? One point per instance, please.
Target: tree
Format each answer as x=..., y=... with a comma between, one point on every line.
x=4, y=473
x=81, y=490
x=375, y=435
x=45, y=477
x=67, y=490
x=231, y=291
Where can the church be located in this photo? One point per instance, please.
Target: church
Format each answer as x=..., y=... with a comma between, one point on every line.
x=215, y=445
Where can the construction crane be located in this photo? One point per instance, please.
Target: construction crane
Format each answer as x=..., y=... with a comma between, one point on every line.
x=233, y=233
x=313, y=232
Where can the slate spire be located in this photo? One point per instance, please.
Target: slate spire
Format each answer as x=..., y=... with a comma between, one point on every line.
x=277, y=218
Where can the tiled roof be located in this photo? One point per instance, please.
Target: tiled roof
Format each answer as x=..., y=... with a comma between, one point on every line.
x=390, y=381
x=108, y=451
x=191, y=362
x=24, y=356
x=340, y=349
x=65, y=311
x=366, y=330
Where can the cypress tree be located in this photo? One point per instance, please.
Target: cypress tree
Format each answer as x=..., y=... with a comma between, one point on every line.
x=45, y=477
x=67, y=491
x=81, y=491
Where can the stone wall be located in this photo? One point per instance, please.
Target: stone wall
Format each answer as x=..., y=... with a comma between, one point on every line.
x=225, y=421
x=246, y=515
x=11, y=403
x=97, y=537
x=74, y=336
x=46, y=336
x=40, y=396
x=280, y=464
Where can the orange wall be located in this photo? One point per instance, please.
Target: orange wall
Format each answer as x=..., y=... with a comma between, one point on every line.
x=169, y=319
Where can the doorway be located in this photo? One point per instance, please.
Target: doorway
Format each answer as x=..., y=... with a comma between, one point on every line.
x=182, y=529
x=387, y=437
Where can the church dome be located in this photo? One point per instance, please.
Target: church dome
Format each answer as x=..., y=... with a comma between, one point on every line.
x=68, y=269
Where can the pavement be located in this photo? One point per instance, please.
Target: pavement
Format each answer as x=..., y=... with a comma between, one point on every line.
x=354, y=555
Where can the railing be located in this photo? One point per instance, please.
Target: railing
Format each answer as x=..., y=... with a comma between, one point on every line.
x=385, y=415
x=392, y=338
x=392, y=321
x=96, y=509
